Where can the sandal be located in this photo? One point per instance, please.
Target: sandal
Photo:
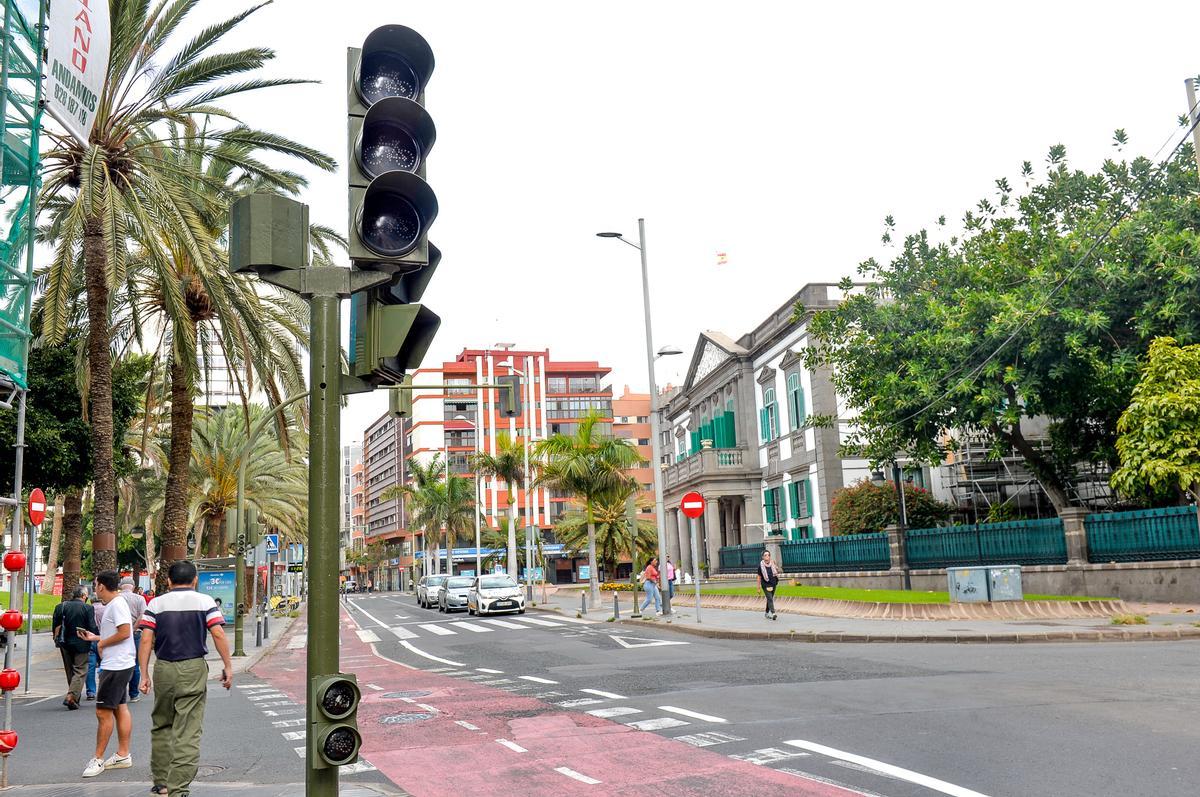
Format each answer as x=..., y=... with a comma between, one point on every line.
x=158, y=789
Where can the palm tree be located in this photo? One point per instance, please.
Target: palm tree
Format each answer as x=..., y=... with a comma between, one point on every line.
x=588, y=465
x=420, y=501
x=435, y=505
x=498, y=538
x=614, y=537
x=124, y=185
x=508, y=465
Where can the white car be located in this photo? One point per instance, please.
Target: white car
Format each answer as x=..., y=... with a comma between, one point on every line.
x=495, y=593
x=427, y=589
x=452, y=594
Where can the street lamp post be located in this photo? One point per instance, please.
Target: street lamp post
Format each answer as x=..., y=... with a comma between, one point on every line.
x=655, y=443
x=446, y=527
x=526, y=409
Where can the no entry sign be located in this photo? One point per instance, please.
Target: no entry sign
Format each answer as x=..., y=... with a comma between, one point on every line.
x=692, y=505
x=37, y=506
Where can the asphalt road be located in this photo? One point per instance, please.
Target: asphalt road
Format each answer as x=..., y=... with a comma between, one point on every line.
x=908, y=720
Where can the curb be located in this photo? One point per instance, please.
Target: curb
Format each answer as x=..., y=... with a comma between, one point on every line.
x=1097, y=635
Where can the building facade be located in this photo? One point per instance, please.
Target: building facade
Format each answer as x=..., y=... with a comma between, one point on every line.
x=386, y=448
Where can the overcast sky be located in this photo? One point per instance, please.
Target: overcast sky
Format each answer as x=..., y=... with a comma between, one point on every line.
x=780, y=133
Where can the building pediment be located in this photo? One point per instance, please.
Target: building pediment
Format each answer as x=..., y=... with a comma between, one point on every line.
x=713, y=350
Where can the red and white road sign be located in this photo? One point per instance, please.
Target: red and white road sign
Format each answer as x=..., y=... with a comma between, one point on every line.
x=37, y=506
x=692, y=505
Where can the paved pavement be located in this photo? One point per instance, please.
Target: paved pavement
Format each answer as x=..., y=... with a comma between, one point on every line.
x=620, y=705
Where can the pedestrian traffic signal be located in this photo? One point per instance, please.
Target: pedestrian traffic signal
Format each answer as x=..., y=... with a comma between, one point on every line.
x=390, y=137
x=333, y=736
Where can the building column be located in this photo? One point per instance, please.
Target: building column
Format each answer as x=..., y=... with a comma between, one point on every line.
x=671, y=532
x=752, y=517
x=682, y=540
x=712, y=535
x=1076, y=534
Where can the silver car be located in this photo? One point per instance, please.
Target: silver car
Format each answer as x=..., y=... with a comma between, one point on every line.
x=495, y=593
x=427, y=589
x=452, y=594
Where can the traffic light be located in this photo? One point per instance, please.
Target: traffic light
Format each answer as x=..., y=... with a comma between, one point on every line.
x=253, y=529
x=391, y=204
x=400, y=401
x=510, y=395
x=333, y=737
x=231, y=525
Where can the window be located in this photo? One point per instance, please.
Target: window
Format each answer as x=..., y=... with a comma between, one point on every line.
x=795, y=395
x=768, y=416
x=724, y=429
x=459, y=391
x=585, y=384
x=461, y=438
x=643, y=419
x=771, y=506
x=800, y=498
x=643, y=441
x=556, y=384
x=577, y=407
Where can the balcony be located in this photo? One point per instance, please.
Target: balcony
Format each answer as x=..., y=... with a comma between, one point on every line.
x=709, y=462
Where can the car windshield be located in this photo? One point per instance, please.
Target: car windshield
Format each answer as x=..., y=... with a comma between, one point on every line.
x=435, y=581
x=496, y=582
x=460, y=582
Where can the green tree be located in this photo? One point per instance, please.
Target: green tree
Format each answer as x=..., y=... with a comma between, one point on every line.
x=124, y=186
x=614, y=537
x=508, y=465
x=435, y=506
x=588, y=465
x=1032, y=312
x=865, y=508
x=1159, y=444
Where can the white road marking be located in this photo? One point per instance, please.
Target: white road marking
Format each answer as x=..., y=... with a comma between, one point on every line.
x=579, y=620
x=440, y=669
x=505, y=624
x=888, y=769
x=537, y=680
x=828, y=782
x=536, y=621
x=257, y=696
x=405, y=643
x=428, y=708
x=696, y=715
x=466, y=725
x=408, y=700
x=547, y=695
x=579, y=776
x=282, y=713
x=42, y=700
x=708, y=739
x=583, y=701
x=255, y=686
x=439, y=630
x=376, y=687
x=768, y=755
x=471, y=627
x=300, y=751
x=493, y=672
x=295, y=736
x=367, y=636
x=402, y=633
x=276, y=703
x=601, y=693
x=288, y=723
x=362, y=765
x=516, y=748
x=298, y=641
x=618, y=711
x=639, y=642
x=658, y=724
x=496, y=681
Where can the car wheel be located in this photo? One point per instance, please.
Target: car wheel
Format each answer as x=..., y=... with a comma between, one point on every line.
x=521, y=611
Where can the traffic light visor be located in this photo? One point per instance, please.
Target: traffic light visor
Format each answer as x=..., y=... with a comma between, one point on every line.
x=396, y=62
x=397, y=209
x=397, y=135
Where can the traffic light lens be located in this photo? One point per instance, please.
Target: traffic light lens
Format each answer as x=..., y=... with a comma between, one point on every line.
x=338, y=699
x=340, y=745
x=388, y=148
x=385, y=74
x=390, y=224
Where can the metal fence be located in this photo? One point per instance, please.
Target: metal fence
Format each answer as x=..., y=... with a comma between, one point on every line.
x=849, y=552
x=1143, y=535
x=741, y=558
x=1022, y=542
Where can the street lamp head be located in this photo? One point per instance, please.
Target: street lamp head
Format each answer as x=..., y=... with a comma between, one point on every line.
x=608, y=235
x=877, y=478
x=668, y=351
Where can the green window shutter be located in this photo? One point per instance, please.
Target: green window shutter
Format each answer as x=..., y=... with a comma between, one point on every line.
x=808, y=502
x=730, y=428
x=794, y=499
x=764, y=428
x=694, y=443
x=793, y=384
x=768, y=506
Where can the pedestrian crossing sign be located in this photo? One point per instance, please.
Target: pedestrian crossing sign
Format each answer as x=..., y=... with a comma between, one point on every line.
x=272, y=541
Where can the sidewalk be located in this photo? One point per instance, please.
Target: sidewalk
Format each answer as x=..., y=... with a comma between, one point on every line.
x=752, y=625
x=223, y=789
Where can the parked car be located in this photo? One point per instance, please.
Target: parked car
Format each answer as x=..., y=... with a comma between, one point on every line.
x=427, y=589
x=495, y=593
x=452, y=594
x=349, y=586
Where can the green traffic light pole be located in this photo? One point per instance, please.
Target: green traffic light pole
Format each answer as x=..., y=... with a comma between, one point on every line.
x=240, y=533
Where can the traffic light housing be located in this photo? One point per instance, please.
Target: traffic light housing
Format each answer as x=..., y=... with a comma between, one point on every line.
x=253, y=528
x=386, y=340
x=231, y=525
x=400, y=403
x=510, y=395
x=333, y=736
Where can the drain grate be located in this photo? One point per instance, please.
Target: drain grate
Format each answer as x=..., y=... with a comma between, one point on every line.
x=405, y=718
x=410, y=693
x=209, y=770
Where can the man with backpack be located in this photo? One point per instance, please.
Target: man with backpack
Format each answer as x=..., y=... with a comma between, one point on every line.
x=70, y=616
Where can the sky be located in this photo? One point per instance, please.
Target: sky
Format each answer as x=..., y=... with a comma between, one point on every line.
x=778, y=133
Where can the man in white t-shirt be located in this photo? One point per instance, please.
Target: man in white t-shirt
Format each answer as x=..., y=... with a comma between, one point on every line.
x=117, y=659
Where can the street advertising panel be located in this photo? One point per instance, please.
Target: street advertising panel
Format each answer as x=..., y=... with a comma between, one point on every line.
x=220, y=585
x=77, y=49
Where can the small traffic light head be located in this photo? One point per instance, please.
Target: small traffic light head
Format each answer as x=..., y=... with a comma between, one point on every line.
x=397, y=208
x=334, y=734
x=267, y=232
x=396, y=62
x=400, y=403
x=397, y=134
x=510, y=395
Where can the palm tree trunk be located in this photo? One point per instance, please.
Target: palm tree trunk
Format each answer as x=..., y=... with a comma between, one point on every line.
x=512, y=533
x=593, y=583
x=72, y=540
x=149, y=526
x=100, y=408
x=212, y=535
x=56, y=526
x=174, y=518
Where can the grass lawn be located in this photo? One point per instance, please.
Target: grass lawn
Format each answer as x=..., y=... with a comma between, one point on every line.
x=869, y=595
x=42, y=604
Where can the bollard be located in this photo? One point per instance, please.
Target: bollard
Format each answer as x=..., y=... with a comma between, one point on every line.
x=267, y=625
x=583, y=603
x=616, y=608
x=258, y=634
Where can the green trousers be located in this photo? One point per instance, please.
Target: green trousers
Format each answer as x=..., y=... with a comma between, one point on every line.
x=180, y=690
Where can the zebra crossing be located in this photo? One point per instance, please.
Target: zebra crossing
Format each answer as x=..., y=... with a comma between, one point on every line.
x=480, y=625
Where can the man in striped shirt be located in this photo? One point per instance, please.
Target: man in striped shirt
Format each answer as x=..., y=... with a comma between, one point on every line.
x=175, y=628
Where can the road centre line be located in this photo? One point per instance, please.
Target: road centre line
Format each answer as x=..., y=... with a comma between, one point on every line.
x=466, y=724
x=405, y=643
x=537, y=680
x=516, y=748
x=602, y=693
x=888, y=769
x=696, y=715
x=579, y=776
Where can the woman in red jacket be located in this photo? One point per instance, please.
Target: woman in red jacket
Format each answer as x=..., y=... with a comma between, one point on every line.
x=650, y=582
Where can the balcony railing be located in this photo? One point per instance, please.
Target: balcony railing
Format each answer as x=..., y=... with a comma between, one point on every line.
x=705, y=462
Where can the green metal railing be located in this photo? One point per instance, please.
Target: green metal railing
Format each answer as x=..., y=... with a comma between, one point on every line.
x=1143, y=535
x=1022, y=542
x=741, y=558
x=848, y=552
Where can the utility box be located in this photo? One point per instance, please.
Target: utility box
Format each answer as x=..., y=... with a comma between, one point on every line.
x=984, y=584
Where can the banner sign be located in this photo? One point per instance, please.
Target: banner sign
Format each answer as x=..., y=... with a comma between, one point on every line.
x=220, y=585
x=77, y=48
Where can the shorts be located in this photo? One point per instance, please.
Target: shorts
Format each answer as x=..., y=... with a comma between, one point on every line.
x=113, y=688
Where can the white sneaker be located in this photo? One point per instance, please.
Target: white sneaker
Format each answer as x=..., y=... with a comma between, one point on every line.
x=119, y=762
x=658, y=614
x=94, y=768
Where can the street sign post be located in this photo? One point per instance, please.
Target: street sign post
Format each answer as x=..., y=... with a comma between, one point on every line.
x=37, y=516
x=272, y=541
x=692, y=507
x=37, y=507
